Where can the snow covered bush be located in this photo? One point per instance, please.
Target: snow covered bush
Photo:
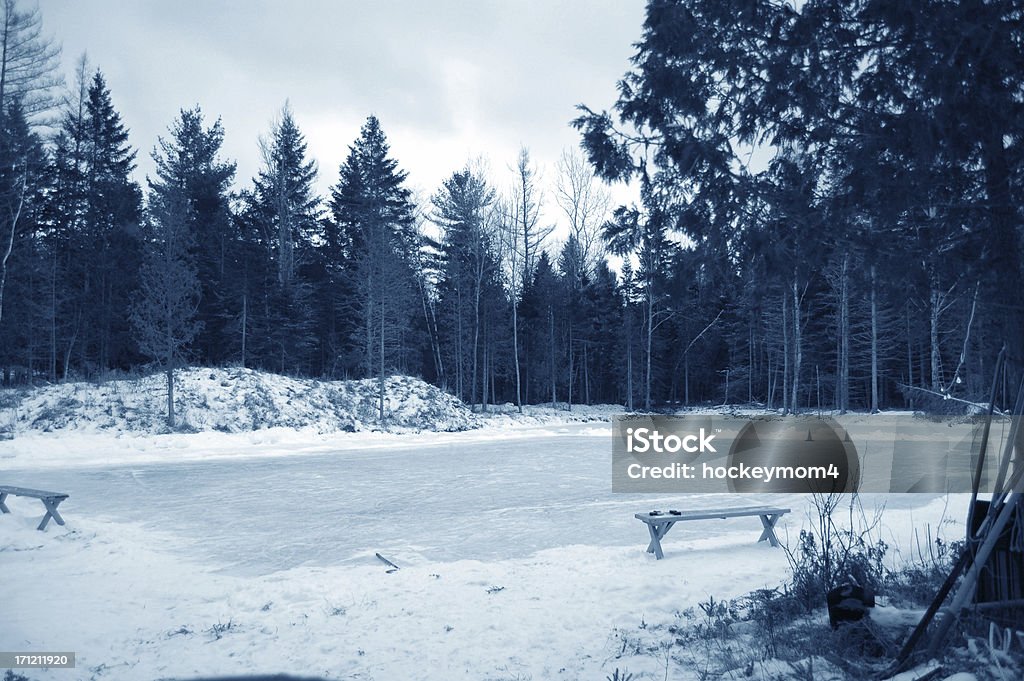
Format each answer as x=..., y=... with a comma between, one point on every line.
x=833, y=553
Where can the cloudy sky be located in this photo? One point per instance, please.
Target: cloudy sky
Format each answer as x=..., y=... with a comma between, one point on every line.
x=449, y=80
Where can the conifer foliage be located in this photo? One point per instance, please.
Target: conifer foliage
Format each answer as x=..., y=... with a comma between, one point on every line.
x=827, y=215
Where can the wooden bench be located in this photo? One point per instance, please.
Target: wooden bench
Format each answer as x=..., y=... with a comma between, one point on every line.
x=660, y=522
x=51, y=500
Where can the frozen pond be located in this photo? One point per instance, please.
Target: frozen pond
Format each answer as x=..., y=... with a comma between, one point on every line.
x=487, y=500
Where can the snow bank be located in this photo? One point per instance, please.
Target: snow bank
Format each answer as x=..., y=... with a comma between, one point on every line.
x=507, y=415
x=236, y=400
x=144, y=607
x=232, y=400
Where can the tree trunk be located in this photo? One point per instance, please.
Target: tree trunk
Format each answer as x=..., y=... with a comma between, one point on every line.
x=569, y=387
x=485, y=376
x=476, y=343
x=874, y=343
x=380, y=380
x=910, y=363
x=586, y=374
x=71, y=344
x=650, y=344
x=797, y=346
x=750, y=363
x=933, y=336
x=844, y=336
x=431, y=322
x=629, y=367
x=551, y=337
x=53, y=321
x=170, y=395
x=459, y=362
x=686, y=378
x=8, y=245
x=515, y=355
x=785, y=356
x=245, y=324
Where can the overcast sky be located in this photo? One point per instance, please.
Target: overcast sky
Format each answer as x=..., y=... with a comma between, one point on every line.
x=448, y=80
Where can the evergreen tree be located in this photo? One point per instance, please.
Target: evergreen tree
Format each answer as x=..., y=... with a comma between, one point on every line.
x=163, y=313
x=894, y=133
x=21, y=163
x=462, y=208
x=93, y=210
x=189, y=161
x=572, y=264
x=374, y=221
x=284, y=195
x=112, y=210
x=22, y=181
x=541, y=314
x=288, y=213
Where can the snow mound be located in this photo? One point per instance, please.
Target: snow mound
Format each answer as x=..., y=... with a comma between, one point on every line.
x=233, y=400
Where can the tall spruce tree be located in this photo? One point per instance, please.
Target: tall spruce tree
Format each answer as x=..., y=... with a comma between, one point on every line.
x=289, y=215
x=93, y=209
x=112, y=210
x=463, y=209
x=284, y=192
x=373, y=216
x=189, y=160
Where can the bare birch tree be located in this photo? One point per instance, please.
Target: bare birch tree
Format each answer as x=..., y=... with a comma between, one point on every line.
x=28, y=68
x=585, y=202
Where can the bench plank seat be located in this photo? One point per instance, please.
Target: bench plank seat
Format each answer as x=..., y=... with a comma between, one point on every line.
x=51, y=500
x=659, y=524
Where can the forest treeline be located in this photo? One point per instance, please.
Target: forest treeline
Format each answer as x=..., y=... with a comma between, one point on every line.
x=829, y=216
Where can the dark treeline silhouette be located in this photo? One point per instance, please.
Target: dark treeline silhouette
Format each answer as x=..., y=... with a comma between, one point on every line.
x=829, y=217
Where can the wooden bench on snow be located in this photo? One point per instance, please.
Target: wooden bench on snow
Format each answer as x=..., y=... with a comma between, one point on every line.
x=660, y=522
x=51, y=500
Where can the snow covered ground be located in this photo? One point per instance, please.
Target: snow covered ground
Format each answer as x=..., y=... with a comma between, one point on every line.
x=229, y=553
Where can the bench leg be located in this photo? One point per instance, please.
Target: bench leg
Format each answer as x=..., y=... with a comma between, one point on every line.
x=657, y=532
x=3, y=506
x=768, y=522
x=51, y=512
